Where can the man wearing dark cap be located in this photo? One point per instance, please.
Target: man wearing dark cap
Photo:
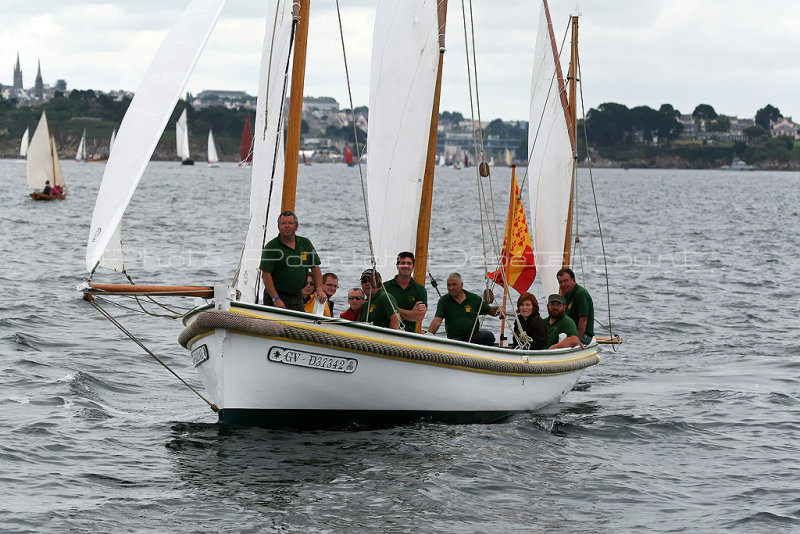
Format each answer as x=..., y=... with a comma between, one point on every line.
x=558, y=323
x=285, y=264
x=580, y=307
x=380, y=309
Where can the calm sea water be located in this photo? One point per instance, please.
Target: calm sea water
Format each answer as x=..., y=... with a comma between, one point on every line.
x=692, y=426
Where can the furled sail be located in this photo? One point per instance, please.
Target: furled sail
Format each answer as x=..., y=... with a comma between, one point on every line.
x=266, y=184
x=146, y=118
x=405, y=55
x=551, y=162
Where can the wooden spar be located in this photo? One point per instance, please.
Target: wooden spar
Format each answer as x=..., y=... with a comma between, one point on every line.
x=424, y=219
x=573, y=79
x=562, y=92
x=301, y=9
x=129, y=289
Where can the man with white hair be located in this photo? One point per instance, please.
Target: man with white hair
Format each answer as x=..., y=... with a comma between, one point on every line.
x=460, y=309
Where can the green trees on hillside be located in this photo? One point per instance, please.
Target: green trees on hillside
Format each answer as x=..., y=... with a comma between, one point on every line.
x=614, y=125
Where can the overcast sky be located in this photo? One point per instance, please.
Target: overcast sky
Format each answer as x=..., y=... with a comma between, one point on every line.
x=737, y=55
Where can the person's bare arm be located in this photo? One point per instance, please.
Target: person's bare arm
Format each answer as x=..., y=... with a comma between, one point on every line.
x=435, y=324
x=269, y=286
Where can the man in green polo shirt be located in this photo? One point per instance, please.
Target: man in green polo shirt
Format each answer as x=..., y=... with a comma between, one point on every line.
x=285, y=264
x=580, y=307
x=411, y=296
x=380, y=308
x=558, y=323
x=460, y=309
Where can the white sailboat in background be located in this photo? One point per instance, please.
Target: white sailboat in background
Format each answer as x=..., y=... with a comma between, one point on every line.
x=80, y=156
x=111, y=141
x=182, y=140
x=23, y=146
x=287, y=368
x=213, y=158
x=43, y=167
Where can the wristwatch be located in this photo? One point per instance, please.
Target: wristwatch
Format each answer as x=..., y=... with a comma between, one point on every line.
x=276, y=298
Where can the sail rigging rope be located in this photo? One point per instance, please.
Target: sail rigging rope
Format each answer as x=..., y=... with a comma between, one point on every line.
x=364, y=195
x=597, y=213
x=279, y=128
x=485, y=208
x=104, y=313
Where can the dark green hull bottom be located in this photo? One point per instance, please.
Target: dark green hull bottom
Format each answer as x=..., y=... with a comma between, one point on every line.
x=329, y=419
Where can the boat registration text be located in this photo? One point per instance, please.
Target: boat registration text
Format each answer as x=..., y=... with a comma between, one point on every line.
x=315, y=361
x=199, y=355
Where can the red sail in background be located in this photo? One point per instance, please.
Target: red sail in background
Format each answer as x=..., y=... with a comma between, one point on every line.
x=246, y=151
x=348, y=157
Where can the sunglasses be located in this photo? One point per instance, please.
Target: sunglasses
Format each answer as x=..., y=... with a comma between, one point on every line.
x=355, y=298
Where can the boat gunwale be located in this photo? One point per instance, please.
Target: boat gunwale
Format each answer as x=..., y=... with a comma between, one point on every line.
x=318, y=320
x=513, y=362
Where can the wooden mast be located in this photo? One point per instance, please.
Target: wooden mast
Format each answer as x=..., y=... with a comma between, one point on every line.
x=573, y=79
x=424, y=220
x=300, y=10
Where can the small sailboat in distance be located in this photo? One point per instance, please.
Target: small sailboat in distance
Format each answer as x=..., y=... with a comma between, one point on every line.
x=182, y=140
x=23, y=146
x=80, y=156
x=213, y=158
x=348, y=157
x=43, y=168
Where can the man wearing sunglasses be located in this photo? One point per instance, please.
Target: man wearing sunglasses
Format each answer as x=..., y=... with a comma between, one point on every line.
x=285, y=264
x=355, y=298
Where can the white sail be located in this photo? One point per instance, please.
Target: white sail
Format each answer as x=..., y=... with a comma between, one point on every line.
x=146, y=118
x=42, y=164
x=266, y=186
x=551, y=162
x=58, y=176
x=81, y=154
x=111, y=142
x=405, y=55
x=112, y=257
x=23, y=146
x=212, y=149
x=182, y=136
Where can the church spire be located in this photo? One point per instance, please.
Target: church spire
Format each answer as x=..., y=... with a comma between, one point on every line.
x=17, y=75
x=39, y=87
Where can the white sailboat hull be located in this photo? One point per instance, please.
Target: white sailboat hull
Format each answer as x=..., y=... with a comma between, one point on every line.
x=262, y=375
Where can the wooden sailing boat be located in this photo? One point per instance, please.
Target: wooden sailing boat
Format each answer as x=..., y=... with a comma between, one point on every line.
x=182, y=140
x=43, y=167
x=213, y=158
x=286, y=368
x=246, y=146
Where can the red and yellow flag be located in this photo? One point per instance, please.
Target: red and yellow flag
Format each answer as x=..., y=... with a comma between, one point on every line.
x=518, y=265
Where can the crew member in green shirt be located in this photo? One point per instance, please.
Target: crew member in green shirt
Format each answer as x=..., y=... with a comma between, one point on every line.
x=580, y=307
x=411, y=296
x=380, y=309
x=460, y=309
x=285, y=264
x=558, y=323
